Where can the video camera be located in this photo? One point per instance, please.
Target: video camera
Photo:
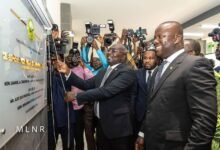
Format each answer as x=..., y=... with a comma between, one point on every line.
x=140, y=33
x=58, y=44
x=74, y=56
x=130, y=33
x=215, y=34
x=109, y=38
x=93, y=30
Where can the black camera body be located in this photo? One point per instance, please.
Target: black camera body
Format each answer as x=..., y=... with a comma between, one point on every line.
x=215, y=34
x=61, y=45
x=109, y=38
x=130, y=33
x=140, y=34
x=92, y=31
x=74, y=56
x=57, y=45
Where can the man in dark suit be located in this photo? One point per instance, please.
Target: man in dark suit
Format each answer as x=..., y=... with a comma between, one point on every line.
x=144, y=76
x=111, y=91
x=181, y=112
x=61, y=116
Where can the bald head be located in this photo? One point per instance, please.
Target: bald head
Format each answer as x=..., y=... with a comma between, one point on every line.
x=117, y=53
x=176, y=26
x=168, y=38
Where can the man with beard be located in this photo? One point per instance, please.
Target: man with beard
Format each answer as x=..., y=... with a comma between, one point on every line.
x=111, y=90
x=144, y=75
x=182, y=109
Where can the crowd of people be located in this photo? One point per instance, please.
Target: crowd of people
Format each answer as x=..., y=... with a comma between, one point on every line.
x=169, y=102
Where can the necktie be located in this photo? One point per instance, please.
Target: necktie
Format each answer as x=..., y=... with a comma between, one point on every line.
x=105, y=76
x=159, y=73
x=96, y=105
x=149, y=79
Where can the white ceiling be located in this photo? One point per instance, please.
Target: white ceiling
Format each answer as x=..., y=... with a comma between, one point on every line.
x=133, y=14
x=197, y=28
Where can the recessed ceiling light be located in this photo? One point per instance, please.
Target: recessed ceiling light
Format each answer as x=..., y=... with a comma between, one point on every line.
x=209, y=26
x=193, y=34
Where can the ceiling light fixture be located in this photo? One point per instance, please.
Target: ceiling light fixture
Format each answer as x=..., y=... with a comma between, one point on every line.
x=193, y=34
x=209, y=26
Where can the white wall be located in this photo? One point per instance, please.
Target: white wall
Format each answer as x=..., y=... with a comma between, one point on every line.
x=53, y=7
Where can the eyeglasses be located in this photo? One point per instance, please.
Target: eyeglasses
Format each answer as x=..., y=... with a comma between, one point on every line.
x=113, y=50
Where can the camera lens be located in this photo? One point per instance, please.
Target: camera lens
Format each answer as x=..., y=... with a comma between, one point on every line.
x=90, y=39
x=108, y=41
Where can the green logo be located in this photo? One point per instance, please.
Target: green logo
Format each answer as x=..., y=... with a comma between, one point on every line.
x=30, y=30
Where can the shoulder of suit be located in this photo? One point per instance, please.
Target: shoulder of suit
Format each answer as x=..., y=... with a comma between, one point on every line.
x=138, y=71
x=193, y=59
x=124, y=67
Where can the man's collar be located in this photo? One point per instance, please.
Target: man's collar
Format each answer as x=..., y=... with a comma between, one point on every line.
x=174, y=55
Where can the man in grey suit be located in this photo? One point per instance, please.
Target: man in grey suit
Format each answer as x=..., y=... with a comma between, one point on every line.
x=182, y=108
x=111, y=89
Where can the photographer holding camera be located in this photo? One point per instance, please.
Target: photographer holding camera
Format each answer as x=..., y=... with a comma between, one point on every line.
x=57, y=44
x=215, y=34
x=84, y=113
x=123, y=40
x=95, y=64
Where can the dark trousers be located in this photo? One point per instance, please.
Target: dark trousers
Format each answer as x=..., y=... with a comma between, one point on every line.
x=79, y=128
x=137, y=126
x=89, y=126
x=104, y=143
x=85, y=120
x=54, y=131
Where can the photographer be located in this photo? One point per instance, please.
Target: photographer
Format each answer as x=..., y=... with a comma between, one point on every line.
x=56, y=43
x=217, y=55
x=58, y=118
x=84, y=113
x=216, y=142
x=123, y=40
x=95, y=63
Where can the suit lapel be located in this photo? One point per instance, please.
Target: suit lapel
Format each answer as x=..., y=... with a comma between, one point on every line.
x=172, y=67
x=142, y=80
x=114, y=73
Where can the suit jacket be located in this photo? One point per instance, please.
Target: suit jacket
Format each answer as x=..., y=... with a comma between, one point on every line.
x=141, y=95
x=114, y=99
x=181, y=112
x=59, y=105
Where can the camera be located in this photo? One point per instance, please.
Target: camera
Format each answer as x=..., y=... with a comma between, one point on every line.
x=109, y=38
x=92, y=30
x=57, y=45
x=215, y=34
x=74, y=56
x=130, y=33
x=75, y=45
x=140, y=33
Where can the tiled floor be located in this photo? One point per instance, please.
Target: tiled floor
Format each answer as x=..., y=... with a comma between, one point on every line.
x=59, y=144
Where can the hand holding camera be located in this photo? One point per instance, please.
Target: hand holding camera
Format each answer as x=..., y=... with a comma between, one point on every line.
x=95, y=45
x=101, y=40
x=83, y=41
